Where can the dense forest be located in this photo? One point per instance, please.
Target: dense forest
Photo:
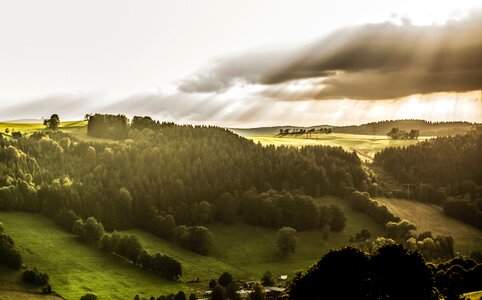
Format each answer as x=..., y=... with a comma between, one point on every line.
x=445, y=171
x=168, y=179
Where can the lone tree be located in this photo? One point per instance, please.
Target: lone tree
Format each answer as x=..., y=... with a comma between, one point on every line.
x=53, y=122
x=286, y=240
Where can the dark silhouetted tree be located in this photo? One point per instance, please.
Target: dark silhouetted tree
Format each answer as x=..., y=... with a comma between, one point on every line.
x=53, y=122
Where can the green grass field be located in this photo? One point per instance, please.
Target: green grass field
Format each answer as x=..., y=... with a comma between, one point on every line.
x=243, y=250
x=365, y=145
x=248, y=251
x=77, y=129
x=12, y=287
x=75, y=268
x=31, y=127
x=430, y=217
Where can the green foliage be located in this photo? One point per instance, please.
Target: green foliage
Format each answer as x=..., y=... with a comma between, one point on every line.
x=464, y=210
x=91, y=231
x=180, y=296
x=458, y=276
x=293, y=209
x=286, y=240
x=227, y=208
x=196, y=238
x=391, y=273
x=399, y=231
x=218, y=293
x=225, y=279
x=362, y=236
x=89, y=296
x=362, y=202
x=398, y=134
x=332, y=216
x=129, y=247
x=108, y=126
x=66, y=219
x=17, y=135
x=267, y=279
x=441, y=167
x=168, y=175
x=257, y=293
x=53, y=122
x=436, y=248
x=231, y=291
x=73, y=266
x=192, y=297
x=9, y=256
x=35, y=277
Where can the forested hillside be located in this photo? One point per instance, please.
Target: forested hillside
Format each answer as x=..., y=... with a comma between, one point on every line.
x=162, y=175
x=426, y=128
x=445, y=171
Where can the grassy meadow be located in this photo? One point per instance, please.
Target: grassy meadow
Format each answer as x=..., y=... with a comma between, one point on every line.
x=76, y=268
x=248, y=251
x=32, y=127
x=243, y=250
x=12, y=287
x=429, y=217
x=364, y=145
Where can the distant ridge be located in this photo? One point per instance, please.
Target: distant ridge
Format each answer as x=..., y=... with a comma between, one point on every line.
x=23, y=121
x=426, y=128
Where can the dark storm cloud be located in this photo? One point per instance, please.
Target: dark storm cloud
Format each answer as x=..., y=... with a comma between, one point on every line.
x=374, y=61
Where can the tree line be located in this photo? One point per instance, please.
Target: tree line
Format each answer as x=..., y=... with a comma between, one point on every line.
x=293, y=209
x=398, y=134
x=125, y=246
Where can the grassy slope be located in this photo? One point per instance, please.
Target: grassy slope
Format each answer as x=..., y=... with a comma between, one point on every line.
x=365, y=146
x=31, y=127
x=12, y=287
x=248, y=251
x=243, y=250
x=75, y=268
x=431, y=218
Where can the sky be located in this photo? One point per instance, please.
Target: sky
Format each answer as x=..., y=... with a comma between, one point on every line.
x=242, y=63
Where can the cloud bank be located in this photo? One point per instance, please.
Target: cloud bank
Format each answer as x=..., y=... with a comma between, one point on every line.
x=366, y=62
x=421, y=72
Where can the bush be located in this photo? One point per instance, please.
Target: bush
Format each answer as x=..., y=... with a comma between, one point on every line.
x=8, y=255
x=286, y=240
x=225, y=279
x=89, y=296
x=35, y=277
